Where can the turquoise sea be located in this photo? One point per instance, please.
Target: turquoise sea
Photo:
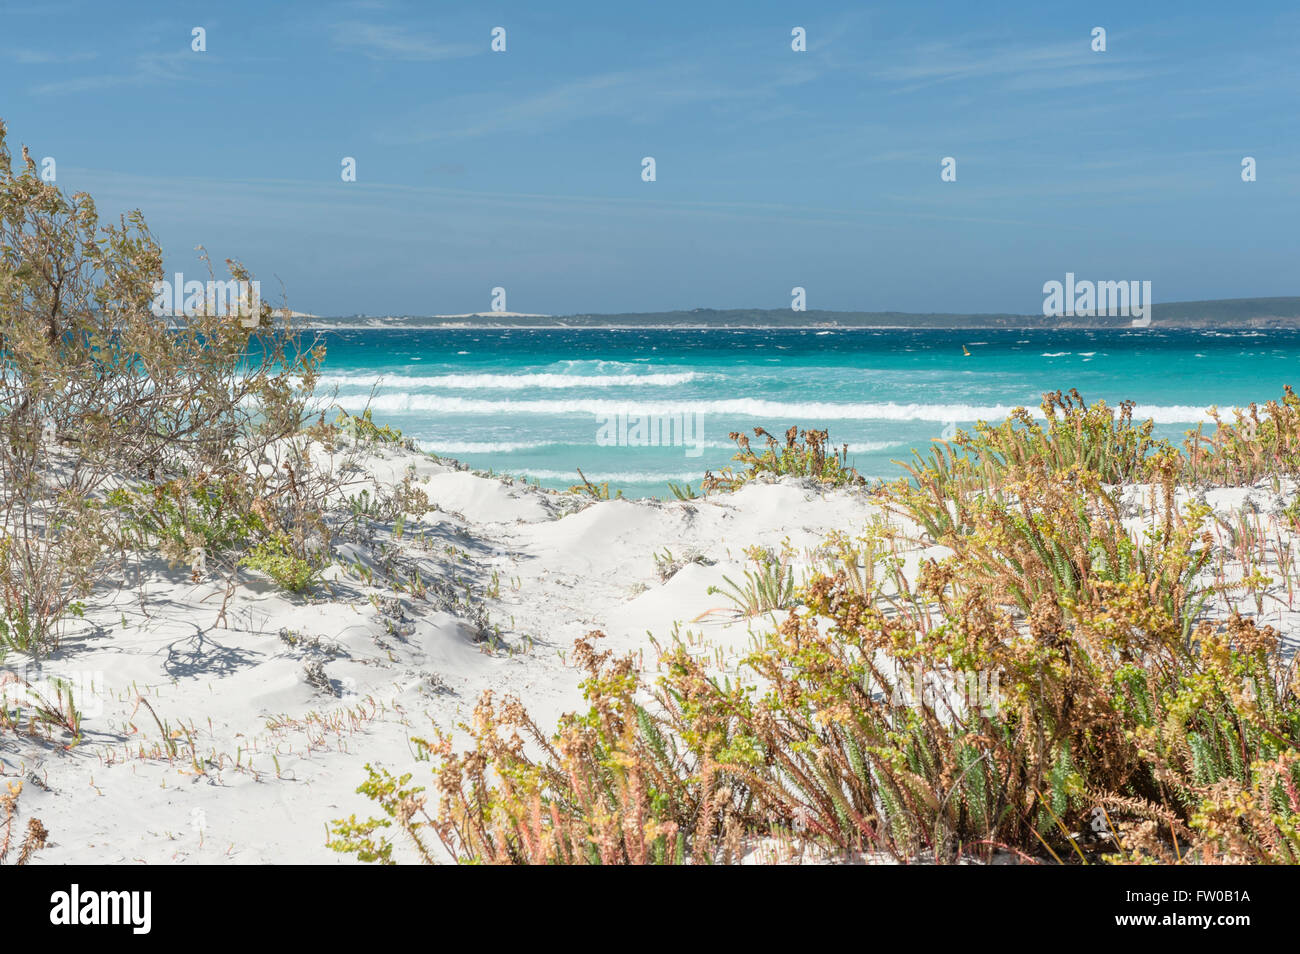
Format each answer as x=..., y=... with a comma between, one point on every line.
x=542, y=403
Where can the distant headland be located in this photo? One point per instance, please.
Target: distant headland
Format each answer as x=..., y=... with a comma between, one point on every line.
x=1226, y=313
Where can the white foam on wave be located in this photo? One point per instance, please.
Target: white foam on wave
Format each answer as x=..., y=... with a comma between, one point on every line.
x=510, y=447
x=510, y=382
x=764, y=410
x=868, y=447
x=855, y=447
x=615, y=477
x=481, y=447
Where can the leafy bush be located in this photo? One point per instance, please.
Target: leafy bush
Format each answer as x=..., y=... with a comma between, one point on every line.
x=1250, y=447
x=275, y=558
x=610, y=788
x=363, y=428
x=804, y=454
x=185, y=514
x=205, y=416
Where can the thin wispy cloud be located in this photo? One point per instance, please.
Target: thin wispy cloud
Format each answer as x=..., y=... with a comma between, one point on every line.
x=640, y=95
x=384, y=42
x=146, y=68
x=1054, y=65
x=33, y=57
x=630, y=93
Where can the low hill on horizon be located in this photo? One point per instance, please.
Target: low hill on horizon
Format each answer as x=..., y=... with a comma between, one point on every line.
x=1225, y=313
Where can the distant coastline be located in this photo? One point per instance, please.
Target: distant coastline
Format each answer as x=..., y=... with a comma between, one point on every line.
x=1220, y=314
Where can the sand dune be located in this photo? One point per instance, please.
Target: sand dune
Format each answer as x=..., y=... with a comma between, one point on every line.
x=239, y=743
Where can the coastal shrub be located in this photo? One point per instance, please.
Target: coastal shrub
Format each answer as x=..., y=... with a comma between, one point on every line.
x=119, y=428
x=276, y=558
x=1258, y=442
x=858, y=734
x=805, y=453
x=1018, y=738
x=362, y=427
x=1048, y=685
x=185, y=514
x=1078, y=437
x=667, y=565
x=1044, y=534
x=36, y=834
x=87, y=359
x=394, y=502
x=1091, y=438
x=612, y=786
x=1108, y=443
x=52, y=552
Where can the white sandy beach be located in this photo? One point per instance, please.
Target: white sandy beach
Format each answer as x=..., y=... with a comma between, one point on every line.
x=274, y=715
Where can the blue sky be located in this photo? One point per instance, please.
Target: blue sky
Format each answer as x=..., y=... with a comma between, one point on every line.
x=774, y=168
